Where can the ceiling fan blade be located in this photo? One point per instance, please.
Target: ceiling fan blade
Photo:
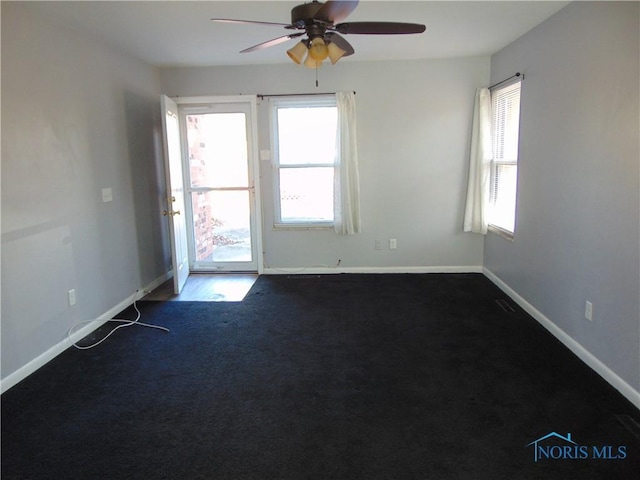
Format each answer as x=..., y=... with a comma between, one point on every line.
x=340, y=41
x=271, y=43
x=335, y=10
x=248, y=22
x=379, y=28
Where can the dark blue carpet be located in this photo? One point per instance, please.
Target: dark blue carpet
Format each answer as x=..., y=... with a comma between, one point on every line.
x=320, y=377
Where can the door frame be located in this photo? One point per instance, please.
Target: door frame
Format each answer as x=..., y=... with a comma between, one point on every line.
x=254, y=164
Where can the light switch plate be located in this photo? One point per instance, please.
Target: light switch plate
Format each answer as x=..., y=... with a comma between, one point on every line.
x=107, y=195
x=265, y=155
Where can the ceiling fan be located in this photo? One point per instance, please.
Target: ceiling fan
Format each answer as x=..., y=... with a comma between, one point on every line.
x=319, y=22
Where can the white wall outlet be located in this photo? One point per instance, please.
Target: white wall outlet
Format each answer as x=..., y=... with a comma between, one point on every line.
x=107, y=195
x=588, y=310
x=378, y=245
x=71, y=297
x=393, y=244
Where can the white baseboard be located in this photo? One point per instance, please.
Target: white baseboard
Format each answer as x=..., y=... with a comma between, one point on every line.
x=582, y=353
x=23, y=372
x=322, y=270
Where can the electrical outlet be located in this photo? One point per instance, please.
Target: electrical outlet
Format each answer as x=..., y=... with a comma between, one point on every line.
x=393, y=244
x=378, y=245
x=71, y=297
x=588, y=310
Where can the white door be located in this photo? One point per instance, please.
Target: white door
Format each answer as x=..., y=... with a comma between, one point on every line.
x=220, y=169
x=175, y=211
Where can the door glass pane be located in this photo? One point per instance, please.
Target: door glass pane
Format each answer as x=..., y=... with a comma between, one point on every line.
x=218, y=150
x=221, y=226
x=306, y=194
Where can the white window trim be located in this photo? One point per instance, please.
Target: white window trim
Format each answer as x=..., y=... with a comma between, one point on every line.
x=328, y=100
x=501, y=232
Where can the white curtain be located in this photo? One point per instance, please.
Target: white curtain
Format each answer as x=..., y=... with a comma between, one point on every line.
x=475, y=215
x=346, y=203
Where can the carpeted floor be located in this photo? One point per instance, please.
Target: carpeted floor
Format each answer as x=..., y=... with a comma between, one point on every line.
x=321, y=377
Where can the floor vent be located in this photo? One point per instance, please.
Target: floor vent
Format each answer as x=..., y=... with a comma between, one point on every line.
x=504, y=305
x=630, y=424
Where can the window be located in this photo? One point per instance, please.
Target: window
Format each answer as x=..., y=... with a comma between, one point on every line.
x=504, y=167
x=304, y=145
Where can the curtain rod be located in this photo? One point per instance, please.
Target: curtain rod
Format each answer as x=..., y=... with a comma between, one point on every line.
x=518, y=74
x=262, y=95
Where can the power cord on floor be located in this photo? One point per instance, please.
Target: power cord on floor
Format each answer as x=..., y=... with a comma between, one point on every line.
x=124, y=323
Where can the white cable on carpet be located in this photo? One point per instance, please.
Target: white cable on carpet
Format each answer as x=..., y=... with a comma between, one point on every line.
x=125, y=323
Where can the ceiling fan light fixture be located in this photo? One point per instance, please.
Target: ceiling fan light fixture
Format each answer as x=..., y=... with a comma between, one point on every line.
x=311, y=62
x=318, y=49
x=298, y=52
x=335, y=52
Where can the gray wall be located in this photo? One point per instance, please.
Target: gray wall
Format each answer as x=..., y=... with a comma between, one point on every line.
x=77, y=118
x=578, y=194
x=414, y=121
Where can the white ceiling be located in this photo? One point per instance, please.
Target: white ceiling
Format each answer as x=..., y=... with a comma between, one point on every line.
x=180, y=33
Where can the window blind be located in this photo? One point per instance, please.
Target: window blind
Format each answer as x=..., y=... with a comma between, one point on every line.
x=506, y=107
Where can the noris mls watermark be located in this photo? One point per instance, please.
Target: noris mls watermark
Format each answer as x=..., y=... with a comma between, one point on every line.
x=554, y=446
